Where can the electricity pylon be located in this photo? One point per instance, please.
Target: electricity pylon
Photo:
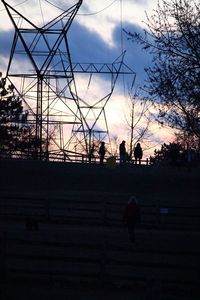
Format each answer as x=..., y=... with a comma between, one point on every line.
x=41, y=70
x=93, y=107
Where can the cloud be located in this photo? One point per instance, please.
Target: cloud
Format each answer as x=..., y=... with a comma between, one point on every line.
x=136, y=58
x=6, y=41
x=86, y=42
x=88, y=46
x=5, y=47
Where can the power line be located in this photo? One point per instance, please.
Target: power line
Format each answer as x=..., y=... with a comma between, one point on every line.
x=121, y=25
x=98, y=12
x=16, y=5
x=40, y=4
x=85, y=14
x=121, y=37
x=56, y=6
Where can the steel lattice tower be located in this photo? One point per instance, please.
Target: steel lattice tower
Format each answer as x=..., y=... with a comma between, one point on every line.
x=94, y=110
x=41, y=71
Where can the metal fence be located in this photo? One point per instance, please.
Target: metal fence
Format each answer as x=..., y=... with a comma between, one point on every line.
x=83, y=239
x=66, y=157
x=93, y=209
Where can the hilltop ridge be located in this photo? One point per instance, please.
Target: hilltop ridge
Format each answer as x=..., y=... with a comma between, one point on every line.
x=146, y=182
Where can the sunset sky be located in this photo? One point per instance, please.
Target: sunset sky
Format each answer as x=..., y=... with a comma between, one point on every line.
x=96, y=36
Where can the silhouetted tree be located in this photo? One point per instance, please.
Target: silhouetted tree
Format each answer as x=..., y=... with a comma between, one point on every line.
x=15, y=133
x=138, y=120
x=169, y=154
x=173, y=38
x=188, y=141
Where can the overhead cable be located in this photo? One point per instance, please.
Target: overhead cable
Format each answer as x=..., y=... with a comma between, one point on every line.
x=98, y=12
x=85, y=14
x=16, y=5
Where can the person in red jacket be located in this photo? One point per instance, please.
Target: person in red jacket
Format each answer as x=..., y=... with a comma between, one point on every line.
x=132, y=216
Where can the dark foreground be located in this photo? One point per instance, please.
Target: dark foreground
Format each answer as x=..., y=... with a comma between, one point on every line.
x=77, y=246
x=148, y=182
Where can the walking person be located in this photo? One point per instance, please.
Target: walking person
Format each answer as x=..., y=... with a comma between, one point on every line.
x=102, y=152
x=138, y=153
x=122, y=153
x=132, y=217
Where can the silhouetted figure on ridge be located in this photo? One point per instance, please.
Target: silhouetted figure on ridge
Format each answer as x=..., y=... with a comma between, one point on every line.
x=91, y=154
x=102, y=152
x=122, y=153
x=138, y=153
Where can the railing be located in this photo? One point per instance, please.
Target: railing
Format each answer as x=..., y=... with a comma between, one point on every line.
x=69, y=157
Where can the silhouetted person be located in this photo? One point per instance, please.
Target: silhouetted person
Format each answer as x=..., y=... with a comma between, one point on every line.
x=122, y=153
x=102, y=152
x=132, y=216
x=174, y=154
x=138, y=153
x=91, y=154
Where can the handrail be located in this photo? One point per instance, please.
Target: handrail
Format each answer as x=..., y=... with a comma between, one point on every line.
x=69, y=157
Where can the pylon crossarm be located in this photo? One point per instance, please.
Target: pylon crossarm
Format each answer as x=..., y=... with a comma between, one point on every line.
x=11, y=9
x=69, y=14
x=102, y=68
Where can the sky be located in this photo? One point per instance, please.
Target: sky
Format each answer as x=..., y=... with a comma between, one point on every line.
x=96, y=35
x=97, y=28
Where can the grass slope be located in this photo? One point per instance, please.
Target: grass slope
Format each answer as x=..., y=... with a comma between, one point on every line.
x=149, y=183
